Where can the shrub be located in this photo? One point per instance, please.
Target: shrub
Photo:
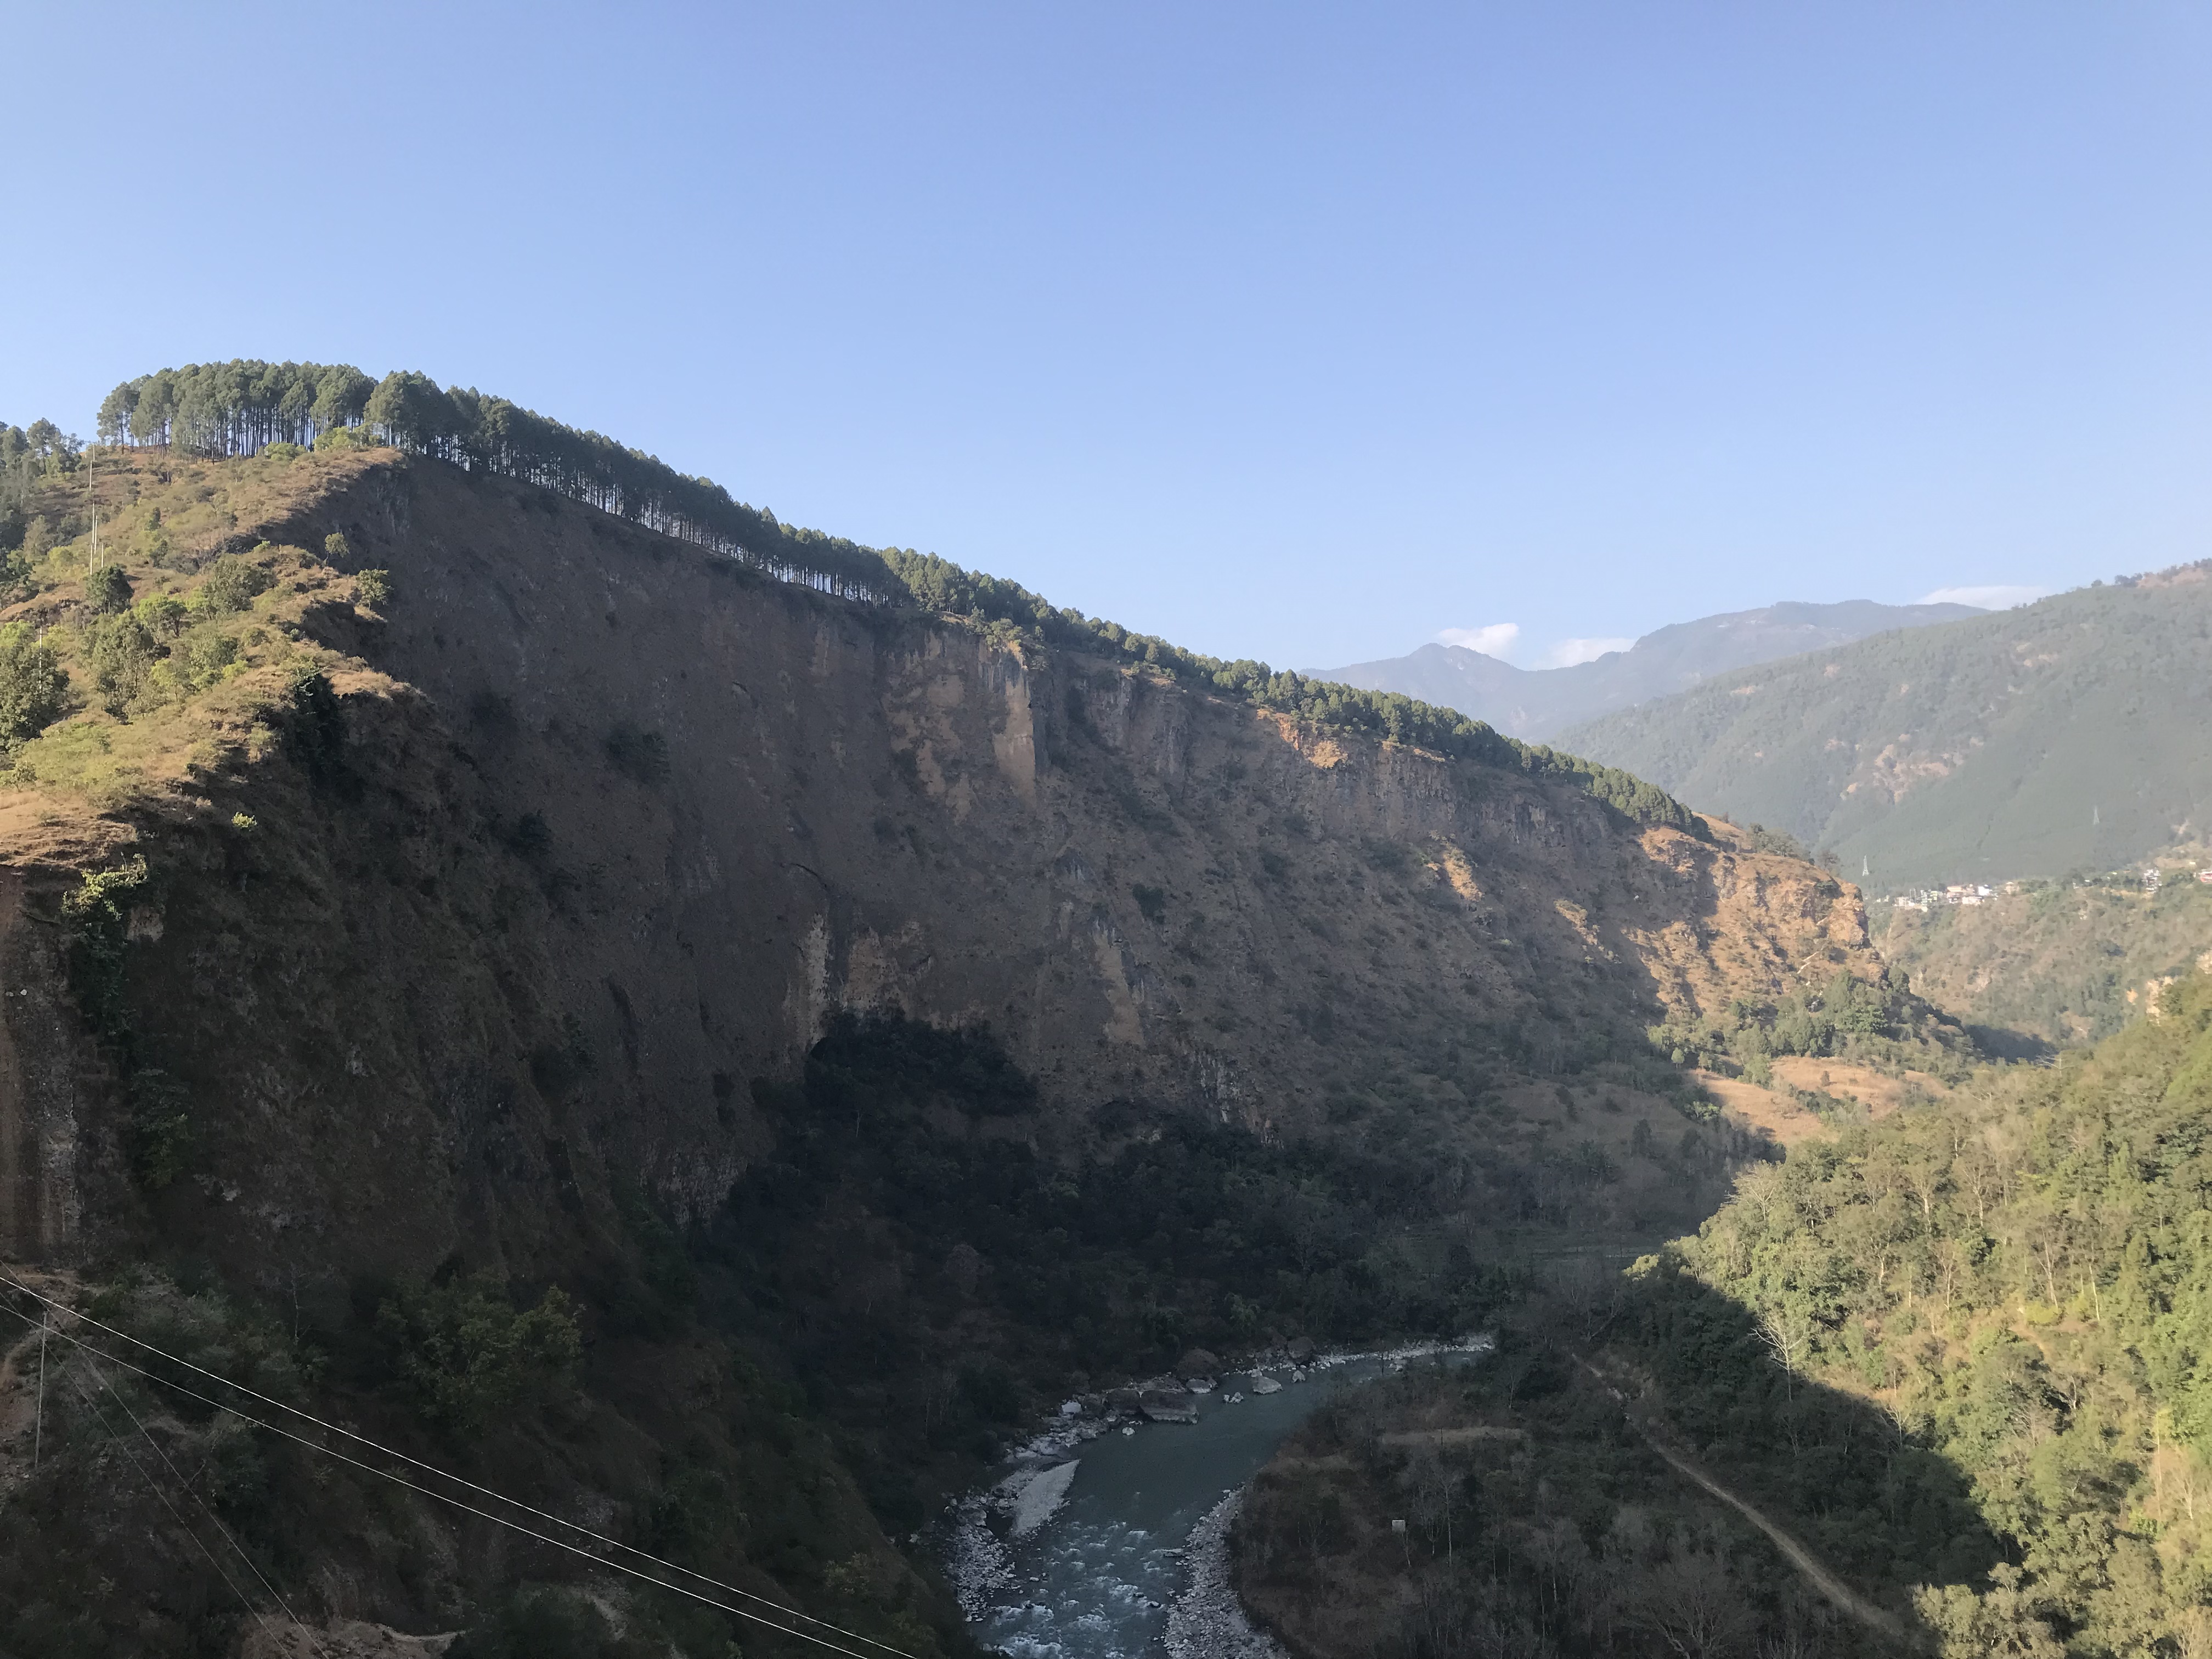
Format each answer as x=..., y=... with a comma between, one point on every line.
x=33, y=691
x=17, y=580
x=557, y=1068
x=465, y=1355
x=372, y=588
x=161, y=615
x=230, y=585
x=532, y=837
x=203, y=658
x=315, y=727
x=337, y=548
x=340, y=439
x=121, y=654
x=159, y=1133
x=107, y=590
x=1764, y=839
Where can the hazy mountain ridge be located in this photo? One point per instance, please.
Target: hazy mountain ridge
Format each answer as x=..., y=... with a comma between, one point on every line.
x=1538, y=703
x=2074, y=733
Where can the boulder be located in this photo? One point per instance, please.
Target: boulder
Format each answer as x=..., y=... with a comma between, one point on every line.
x=1197, y=1361
x=1301, y=1351
x=1168, y=1406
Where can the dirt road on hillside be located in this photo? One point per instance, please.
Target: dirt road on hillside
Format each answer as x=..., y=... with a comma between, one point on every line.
x=1809, y=1565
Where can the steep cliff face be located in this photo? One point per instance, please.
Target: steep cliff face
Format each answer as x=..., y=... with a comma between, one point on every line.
x=510, y=914
x=605, y=830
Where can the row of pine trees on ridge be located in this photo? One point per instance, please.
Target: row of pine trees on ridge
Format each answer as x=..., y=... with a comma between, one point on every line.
x=245, y=407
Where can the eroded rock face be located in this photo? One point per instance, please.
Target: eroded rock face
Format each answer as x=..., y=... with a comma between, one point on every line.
x=621, y=828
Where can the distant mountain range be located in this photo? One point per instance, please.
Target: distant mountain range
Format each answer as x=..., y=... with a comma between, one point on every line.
x=2073, y=733
x=1535, y=703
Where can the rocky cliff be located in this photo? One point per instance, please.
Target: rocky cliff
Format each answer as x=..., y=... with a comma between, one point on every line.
x=616, y=828
x=481, y=912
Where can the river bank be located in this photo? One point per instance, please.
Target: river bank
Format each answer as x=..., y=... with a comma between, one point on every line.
x=1095, y=1543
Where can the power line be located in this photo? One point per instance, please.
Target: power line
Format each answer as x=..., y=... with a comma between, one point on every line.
x=213, y=1520
x=92, y=1405
x=444, y=1497
x=443, y=1474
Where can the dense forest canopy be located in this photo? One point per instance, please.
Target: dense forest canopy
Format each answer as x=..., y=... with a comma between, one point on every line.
x=2022, y=1278
x=243, y=407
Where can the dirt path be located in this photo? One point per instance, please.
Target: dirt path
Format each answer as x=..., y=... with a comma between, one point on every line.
x=1808, y=1565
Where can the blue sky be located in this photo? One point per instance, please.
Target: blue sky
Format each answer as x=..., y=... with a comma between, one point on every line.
x=1296, y=332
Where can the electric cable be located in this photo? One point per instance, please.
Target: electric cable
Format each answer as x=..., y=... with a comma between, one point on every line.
x=92, y=1405
x=431, y=1468
x=469, y=1508
x=213, y=1520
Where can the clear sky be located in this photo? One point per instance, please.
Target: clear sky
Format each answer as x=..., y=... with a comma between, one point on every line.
x=1302, y=332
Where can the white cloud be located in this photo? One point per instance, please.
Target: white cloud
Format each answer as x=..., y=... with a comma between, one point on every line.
x=1567, y=652
x=1495, y=640
x=1998, y=596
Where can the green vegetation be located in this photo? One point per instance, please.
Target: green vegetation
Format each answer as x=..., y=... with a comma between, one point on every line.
x=33, y=690
x=2056, y=963
x=1882, y=1024
x=531, y=1392
x=241, y=408
x=906, y=1159
x=1536, y=1520
x=920, y=1258
x=106, y=670
x=1965, y=1354
x=29, y=456
x=1539, y=703
x=467, y=1357
x=2072, y=733
x=95, y=921
x=2023, y=1281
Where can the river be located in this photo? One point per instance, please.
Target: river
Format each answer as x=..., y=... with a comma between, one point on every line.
x=1088, y=1562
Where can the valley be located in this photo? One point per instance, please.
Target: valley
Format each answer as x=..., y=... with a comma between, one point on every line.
x=696, y=1039
x=672, y=1042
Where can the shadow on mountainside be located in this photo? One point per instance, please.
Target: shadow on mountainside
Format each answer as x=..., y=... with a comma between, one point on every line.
x=1547, y=1503
x=2003, y=1043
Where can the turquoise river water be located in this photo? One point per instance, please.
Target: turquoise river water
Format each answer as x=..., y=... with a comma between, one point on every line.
x=1094, y=1576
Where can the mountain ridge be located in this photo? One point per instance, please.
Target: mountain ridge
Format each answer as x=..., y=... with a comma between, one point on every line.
x=2068, y=735
x=1537, y=704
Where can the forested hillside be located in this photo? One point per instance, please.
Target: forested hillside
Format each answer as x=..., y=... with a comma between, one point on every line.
x=1541, y=702
x=712, y=1040
x=1962, y=1358
x=2054, y=963
x=2074, y=734
x=2023, y=1281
